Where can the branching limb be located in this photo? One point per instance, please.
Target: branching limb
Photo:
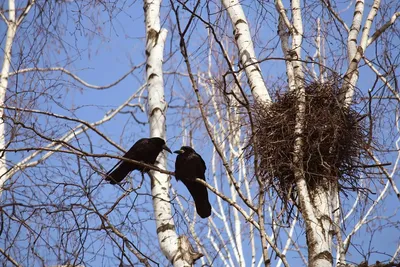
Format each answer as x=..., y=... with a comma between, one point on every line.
x=355, y=53
x=284, y=35
x=53, y=147
x=75, y=151
x=25, y=12
x=328, y=5
x=204, y=116
x=368, y=24
x=9, y=258
x=76, y=77
x=82, y=122
x=289, y=240
x=144, y=259
x=247, y=218
x=246, y=50
x=354, y=30
x=387, y=174
x=3, y=17
x=382, y=78
x=382, y=29
x=363, y=220
x=283, y=16
x=242, y=98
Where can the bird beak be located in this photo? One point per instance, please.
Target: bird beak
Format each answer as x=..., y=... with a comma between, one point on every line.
x=180, y=151
x=167, y=148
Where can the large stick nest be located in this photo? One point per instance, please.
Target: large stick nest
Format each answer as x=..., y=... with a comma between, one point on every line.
x=333, y=140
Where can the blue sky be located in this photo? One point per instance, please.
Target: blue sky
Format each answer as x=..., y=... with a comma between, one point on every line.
x=104, y=51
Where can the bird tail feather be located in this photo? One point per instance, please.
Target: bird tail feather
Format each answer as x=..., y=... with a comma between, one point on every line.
x=200, y=197
x=118, y=174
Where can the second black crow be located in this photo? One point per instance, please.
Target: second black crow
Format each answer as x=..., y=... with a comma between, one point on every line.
x=145, y=150
x=188, y=166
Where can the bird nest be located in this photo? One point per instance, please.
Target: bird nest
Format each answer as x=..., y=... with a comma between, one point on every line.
x=333, y=140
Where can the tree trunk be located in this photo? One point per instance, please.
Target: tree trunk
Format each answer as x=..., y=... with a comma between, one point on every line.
x=179, y=253
x=11, y=30
x=246, y=50
x=319, y=239
x=315, y=205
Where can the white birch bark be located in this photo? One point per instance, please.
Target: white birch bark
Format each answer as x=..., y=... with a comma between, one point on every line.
x=337, y=216
x=314, y=204
x=11, y=31
x=284, y=35
x=176, y=249
x=349, y=82
x=368, y=24
x=320, y=245
x=354, y=30
x=296, y=45
x=246, y=50
x=379, y=31
x=318, y=53
x=355, y=52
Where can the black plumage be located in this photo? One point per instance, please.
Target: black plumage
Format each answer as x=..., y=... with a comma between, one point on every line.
x=145, y=150
x=188, y=166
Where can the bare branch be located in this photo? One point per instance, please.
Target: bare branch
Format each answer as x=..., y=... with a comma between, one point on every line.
x=55, y=146
x=382, y=29
x=388, y=176
x=247, y=217
x=363, y=220
x=3, y=17
x=354, y=30
x=282, y=14
x=382, y=78
x=75, y=77
x=25, y=12
x=8, y=257
x=246, y=50
x=368, y=23
x=327, y=3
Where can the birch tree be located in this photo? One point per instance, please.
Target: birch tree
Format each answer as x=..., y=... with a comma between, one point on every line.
x=177, y=249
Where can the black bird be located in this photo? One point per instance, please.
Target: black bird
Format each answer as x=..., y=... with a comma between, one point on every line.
x=188, y=166
x=145, y=150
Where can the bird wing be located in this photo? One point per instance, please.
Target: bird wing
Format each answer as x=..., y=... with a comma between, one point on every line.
x=132, y=152
x=199, y=165
x=179, y=167
x=138, y=149
x=202, y=162
x=190, y=166
x=122, y=168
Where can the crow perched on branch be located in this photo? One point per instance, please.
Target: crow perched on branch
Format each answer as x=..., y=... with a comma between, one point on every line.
x=188, y=166
x=145, y=150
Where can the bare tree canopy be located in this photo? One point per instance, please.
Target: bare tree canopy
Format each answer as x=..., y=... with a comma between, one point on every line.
x=288, y=110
